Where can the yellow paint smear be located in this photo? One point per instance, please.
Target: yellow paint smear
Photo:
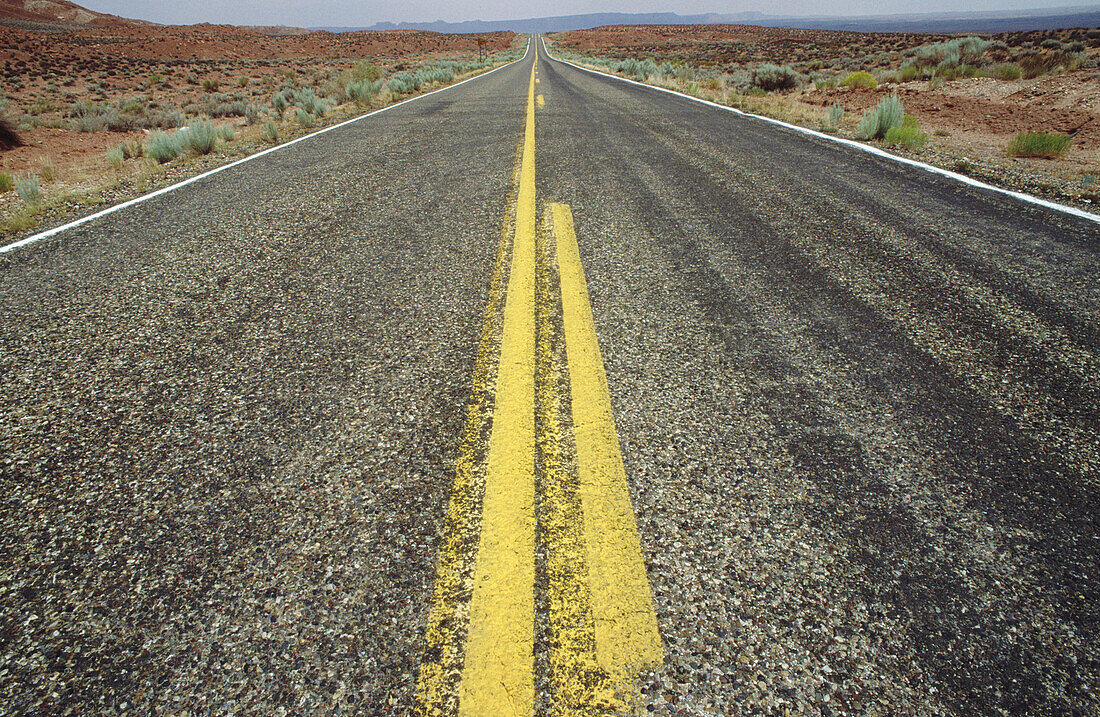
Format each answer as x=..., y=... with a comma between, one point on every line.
x=497, y=677
x=627, y=638
x=542, y=102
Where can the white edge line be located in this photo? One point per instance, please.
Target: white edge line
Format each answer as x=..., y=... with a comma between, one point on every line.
x=857, y=145
x=164, y=190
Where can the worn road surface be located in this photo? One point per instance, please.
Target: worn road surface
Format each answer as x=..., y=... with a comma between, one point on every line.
x=551, y=394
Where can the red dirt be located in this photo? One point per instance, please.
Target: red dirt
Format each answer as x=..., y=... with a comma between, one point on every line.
x=54, y=55
x=979, y=115
x=1039, y=105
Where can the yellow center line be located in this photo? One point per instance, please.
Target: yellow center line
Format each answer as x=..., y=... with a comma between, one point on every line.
x=498, y=674
x=627, y=638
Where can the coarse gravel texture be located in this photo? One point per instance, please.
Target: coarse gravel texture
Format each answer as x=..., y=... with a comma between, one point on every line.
x=858, y=411
x=857, y=405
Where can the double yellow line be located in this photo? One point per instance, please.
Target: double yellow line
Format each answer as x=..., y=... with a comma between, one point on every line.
x=545, y=461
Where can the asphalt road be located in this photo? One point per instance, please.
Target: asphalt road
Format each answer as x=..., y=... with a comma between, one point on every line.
x=857, y=405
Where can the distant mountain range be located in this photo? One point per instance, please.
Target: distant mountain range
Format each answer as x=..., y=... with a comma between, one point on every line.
x=1001, y=21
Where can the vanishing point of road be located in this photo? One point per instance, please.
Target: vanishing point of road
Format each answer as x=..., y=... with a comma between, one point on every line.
x=553, y=394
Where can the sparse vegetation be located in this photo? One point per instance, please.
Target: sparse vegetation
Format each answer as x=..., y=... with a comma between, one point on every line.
x=908, y=135
x=769, y=77
x=363, y=91
x=116, y=158
x=132, y=149
x=279, y=102
x=271, y=133
x=1006, y=71
x=200, y=138
x=210, y=85
x=47, y=169
x=832, y=120
x=305, y=119
x=7, y=182
x=887, y=114
x=861, y=78
x=1047, y=145
x=306, y=99
x=26, y=186
x=164, y=146
x=399, y=85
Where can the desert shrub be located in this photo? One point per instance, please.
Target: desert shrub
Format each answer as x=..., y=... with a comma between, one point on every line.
x=251, y=114
x=1049, y=145
x=405, y=79
x=638, y=69
x=908, y=73
x=271, y=133
x=41, y=106
x=199, y=138
x=131, y=149
x=229, y=109
x=685, y=73
x=909, y=137
x=876, y=121
x=363, y=91
x=169, y=119
x=964, y=50
x=227, y=133
x=155, y=79
x=1006, y=71
x=825, y=84
x=861, y=78
x=306, y=99
x=164, y=146
x=836, y=112
x=1037, y=64
x=646, y=68
x=434, y=74
x=89, y=117
x=398, y=86
x=121, y=121
x=964, y=70
x=242, y=82
x=305, y=119
x=210, y=85
x=47, y=169
x=26, y=186
x=364, y=71
x=116, y=157
x=7, y=182
x=279, y=102
x=771, y=77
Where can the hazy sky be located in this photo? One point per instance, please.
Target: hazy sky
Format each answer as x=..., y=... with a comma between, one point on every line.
x=313, y=13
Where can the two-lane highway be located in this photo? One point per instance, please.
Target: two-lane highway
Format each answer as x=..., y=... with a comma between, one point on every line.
x=559, y=388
